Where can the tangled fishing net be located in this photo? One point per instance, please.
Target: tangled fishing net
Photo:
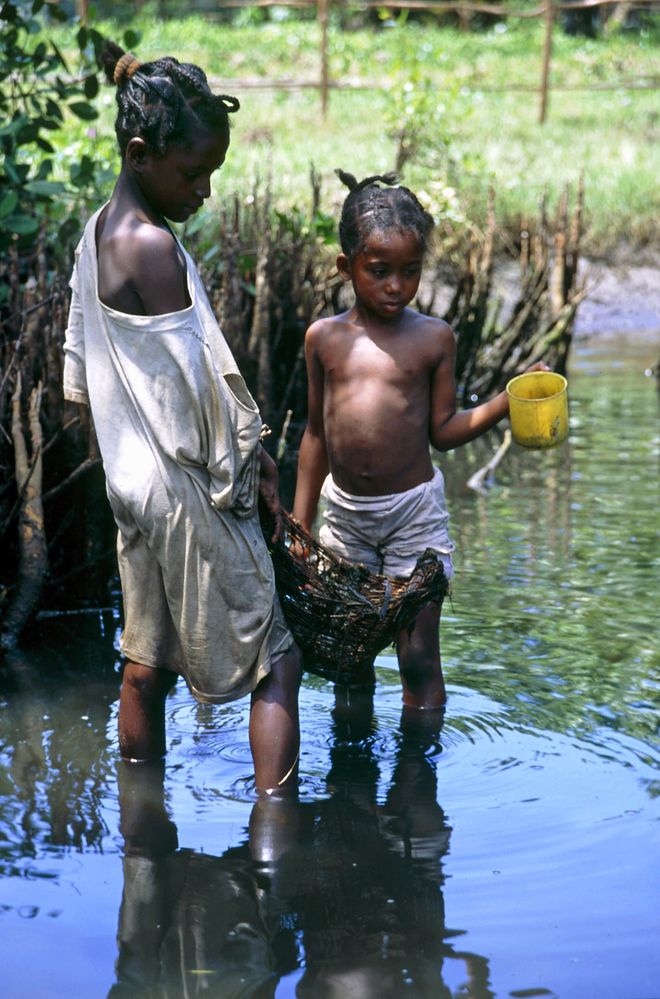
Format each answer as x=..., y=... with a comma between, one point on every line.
x=341, y=614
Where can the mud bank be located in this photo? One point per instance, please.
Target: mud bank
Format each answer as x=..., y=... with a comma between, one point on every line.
x=622, y=299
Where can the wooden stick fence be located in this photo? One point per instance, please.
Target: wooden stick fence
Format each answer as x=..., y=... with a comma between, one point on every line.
x=463, y=9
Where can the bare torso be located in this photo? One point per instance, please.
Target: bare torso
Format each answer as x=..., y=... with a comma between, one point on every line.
x=377, y=399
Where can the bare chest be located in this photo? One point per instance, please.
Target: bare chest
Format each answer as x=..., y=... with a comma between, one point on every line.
x=361, y=362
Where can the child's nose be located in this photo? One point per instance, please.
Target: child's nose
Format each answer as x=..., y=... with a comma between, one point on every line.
x=393, y=282
x=203, y=187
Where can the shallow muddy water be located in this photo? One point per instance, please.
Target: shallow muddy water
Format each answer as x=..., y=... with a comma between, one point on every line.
x=510, y=848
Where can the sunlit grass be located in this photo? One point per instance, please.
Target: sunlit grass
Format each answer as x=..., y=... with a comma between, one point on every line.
x=495, y=138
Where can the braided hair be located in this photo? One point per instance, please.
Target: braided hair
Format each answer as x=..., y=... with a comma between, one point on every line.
x=163, y=100
x=371, y=208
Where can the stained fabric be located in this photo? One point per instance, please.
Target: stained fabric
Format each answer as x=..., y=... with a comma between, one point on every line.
x=178, y=433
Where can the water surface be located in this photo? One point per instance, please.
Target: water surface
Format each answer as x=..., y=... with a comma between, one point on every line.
x=509, y=848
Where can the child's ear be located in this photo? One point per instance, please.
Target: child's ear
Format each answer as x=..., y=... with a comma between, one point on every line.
x=136, y=154
x=344, y=267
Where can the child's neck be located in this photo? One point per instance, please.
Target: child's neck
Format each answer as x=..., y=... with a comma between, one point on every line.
x=129, y=196
x=373, y=322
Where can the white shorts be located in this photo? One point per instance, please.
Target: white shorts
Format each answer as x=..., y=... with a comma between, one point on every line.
x=388, y=533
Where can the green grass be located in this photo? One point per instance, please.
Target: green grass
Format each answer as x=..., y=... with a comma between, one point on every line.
x=493, y=137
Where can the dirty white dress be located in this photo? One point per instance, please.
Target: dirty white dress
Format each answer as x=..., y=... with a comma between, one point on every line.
x=178, y=433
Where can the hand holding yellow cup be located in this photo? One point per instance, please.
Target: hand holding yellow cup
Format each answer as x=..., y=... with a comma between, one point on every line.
x=538, y=409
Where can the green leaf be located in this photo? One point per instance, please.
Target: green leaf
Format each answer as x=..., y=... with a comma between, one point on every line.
x=12, y=172
x=45, y=169
x=44, y=144
x=56, y=12
x=53, y=109
x=131, y=38
x=10, y=38
x=58, y=53
x=39, y=53
x=8, y=203
x=98, y=41
x=84, y=111
x=52, y=126
x=13, y=126
x=82, y=173
x=23, y=225
x=91, y=86
x=210, y=254
x=46, y=188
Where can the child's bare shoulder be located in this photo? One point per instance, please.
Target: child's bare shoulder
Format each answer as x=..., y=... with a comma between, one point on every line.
x=132, y=243
x=324, y=327
x=436, y=335
x=149, y=244
x=432, y=325
x=140, y=267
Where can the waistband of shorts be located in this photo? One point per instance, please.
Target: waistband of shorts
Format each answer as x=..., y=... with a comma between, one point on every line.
x=367, y=501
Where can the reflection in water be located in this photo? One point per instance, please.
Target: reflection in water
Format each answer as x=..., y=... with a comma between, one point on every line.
x=342, y=893
x=549, y=772
x=54, y=742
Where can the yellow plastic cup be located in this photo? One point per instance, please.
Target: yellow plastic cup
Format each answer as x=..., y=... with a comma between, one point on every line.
x=538, y=409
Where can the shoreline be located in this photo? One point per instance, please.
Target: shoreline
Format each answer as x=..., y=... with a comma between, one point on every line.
x=623, y=297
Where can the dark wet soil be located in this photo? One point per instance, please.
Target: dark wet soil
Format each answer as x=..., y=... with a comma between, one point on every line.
x=624, y=298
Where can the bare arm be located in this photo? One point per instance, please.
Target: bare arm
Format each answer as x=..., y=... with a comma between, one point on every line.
x=313, y=458
x=449, y=428
x=269, y=496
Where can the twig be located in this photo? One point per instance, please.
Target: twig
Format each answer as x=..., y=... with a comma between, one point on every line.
x=281, y=444
x=482, y=477
x=83, y=467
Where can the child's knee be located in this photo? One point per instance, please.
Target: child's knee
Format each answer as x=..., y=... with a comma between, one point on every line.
x=289, y=670
x=146, y=682
x=286, y=672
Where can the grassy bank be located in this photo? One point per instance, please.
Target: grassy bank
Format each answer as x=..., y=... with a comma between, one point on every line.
x=443, y=84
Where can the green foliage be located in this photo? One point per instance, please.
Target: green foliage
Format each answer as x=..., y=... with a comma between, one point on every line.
x=485, y=135
x=418, y=118
x=39, y=91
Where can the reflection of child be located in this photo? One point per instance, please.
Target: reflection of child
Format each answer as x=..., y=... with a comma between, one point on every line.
x=381, y=387
x=178, y=431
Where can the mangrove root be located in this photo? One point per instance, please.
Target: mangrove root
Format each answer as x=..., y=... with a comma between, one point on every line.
x=33, y=550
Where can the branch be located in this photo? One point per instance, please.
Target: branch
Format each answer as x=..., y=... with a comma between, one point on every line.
x=83, y=467
x=482, y=477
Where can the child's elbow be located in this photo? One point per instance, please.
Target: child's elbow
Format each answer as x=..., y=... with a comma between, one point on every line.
x=442, y=439
x=440, y=444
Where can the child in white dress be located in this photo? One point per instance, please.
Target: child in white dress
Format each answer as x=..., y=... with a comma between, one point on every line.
x=178, y=432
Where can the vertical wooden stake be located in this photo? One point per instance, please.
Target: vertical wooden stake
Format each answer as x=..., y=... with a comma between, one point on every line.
x=547, y=52
x=464, y=18
x=323, y=24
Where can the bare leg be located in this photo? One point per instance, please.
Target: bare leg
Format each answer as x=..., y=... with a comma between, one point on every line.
x=142, y=712
x=274, y=726
x=419, y=661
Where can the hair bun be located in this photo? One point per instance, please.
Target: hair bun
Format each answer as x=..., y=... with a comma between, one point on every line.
x=230, y=104
x=390, y=179
x=127, y=64
x=347, y=179
x=352, y=184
